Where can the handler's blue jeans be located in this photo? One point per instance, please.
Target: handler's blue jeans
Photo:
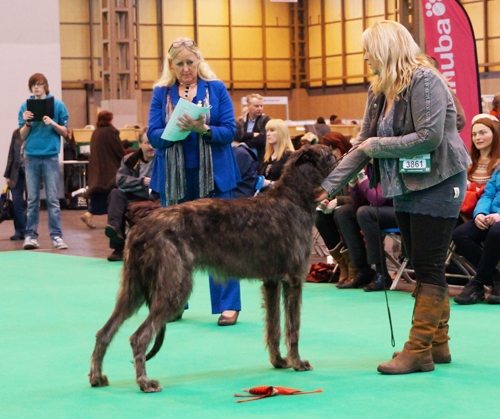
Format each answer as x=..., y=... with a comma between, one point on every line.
x=46, y=169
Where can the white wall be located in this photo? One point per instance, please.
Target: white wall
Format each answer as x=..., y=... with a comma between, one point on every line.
x=29, y=43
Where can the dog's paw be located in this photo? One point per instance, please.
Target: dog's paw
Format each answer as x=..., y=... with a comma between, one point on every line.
x=98, y=380
x=302, y=365
x=280, y=363
x=149, y=386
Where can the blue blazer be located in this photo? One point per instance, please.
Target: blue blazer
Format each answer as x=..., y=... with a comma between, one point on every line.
x=222, y=125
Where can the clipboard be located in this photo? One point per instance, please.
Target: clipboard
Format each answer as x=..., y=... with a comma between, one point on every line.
x=41, y=108
x=172, y=132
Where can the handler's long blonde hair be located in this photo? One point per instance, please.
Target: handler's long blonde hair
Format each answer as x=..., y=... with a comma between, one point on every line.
x=399, y=56
x=284, y=142
x=168, y=77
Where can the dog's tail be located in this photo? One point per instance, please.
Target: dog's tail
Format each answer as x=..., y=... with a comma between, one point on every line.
x=160, y=336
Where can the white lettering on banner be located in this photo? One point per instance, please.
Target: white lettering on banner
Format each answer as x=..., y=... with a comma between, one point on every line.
x=445, y=42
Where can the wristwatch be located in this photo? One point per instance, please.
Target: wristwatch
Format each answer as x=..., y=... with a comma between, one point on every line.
x=208, y=132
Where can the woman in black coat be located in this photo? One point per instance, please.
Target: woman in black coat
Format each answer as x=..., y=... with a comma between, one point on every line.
x=16, y=179
x=106, y=153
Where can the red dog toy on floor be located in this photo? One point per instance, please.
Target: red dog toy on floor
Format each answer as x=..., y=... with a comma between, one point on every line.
x=261, y=392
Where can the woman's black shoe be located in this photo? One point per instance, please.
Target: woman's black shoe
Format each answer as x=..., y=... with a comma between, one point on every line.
x=379, y=283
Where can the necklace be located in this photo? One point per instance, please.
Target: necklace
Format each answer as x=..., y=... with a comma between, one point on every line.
x=187, y=88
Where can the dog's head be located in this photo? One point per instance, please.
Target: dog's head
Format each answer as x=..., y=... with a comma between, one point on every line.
x=318, y=156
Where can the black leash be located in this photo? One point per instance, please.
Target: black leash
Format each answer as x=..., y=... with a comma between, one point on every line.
x=382, y=259
x=382, y=255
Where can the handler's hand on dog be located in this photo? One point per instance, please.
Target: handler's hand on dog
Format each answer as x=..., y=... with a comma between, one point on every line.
x=321, y=195
x=365, y=147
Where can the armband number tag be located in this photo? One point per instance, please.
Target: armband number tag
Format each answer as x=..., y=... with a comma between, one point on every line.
x=416, y=164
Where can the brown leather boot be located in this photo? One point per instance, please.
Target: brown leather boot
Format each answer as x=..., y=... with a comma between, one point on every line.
x=337, y=257
x=353, y=271
x=440, y=349
x=416, y=354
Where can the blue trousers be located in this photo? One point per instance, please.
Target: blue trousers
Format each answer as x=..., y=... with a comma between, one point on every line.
x=222, y=296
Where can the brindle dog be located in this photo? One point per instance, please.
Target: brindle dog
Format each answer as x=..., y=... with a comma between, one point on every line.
x=266, y=237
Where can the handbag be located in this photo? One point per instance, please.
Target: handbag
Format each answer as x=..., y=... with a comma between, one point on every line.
x=6, y=205
x=472, y=195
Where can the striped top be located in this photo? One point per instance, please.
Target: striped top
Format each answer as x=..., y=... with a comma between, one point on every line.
x=481, y=176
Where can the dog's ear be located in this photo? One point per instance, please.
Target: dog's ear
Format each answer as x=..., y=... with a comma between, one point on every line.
x=306, y=154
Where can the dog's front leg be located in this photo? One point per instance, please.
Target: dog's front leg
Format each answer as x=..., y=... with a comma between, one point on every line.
x=292, y=298
x=271, y=296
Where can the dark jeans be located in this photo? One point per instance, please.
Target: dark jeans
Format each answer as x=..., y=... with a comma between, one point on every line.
x=117, y=206
x=362, y=225
x=19, y=206
x=426, y=240
x=327, y=229
x=468, y=238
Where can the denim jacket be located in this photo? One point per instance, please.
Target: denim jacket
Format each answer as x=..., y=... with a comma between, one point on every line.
x=425, y=121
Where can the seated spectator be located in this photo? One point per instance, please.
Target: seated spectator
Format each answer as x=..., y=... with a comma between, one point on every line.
x=324, y=217
x=308, y=138
x=279, y=147
x=254, y=123
x=248, y=163
x=132, y=181
x=360, y=225
x=495, y=105
x=320, y=120
x=333, y=118
x=485, y=156
x=485, y=226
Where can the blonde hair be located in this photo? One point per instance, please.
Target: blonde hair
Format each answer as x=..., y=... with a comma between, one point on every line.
x=284, y=142
x=168, y=77
x=253, y=96
x=391, y=44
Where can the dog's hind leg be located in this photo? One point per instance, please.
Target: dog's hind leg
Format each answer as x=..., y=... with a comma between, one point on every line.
x=166, y=303
x=292, y=299
x=271, y=296
x=124, y=308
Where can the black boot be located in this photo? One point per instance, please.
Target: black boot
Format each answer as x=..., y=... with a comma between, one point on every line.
x=471, y=294
x=379, y=283
x=494, y=297
x=116, y=256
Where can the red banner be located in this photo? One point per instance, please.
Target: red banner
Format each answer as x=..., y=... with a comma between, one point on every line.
x=449, y=38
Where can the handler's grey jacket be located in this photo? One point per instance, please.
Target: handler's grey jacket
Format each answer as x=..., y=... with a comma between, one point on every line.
x=425, y=120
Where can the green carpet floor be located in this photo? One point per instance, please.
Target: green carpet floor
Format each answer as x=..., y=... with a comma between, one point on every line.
x=52, y=305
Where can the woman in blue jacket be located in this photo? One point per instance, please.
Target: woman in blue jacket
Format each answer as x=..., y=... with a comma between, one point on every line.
x=203, y=164
x=483, y=228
